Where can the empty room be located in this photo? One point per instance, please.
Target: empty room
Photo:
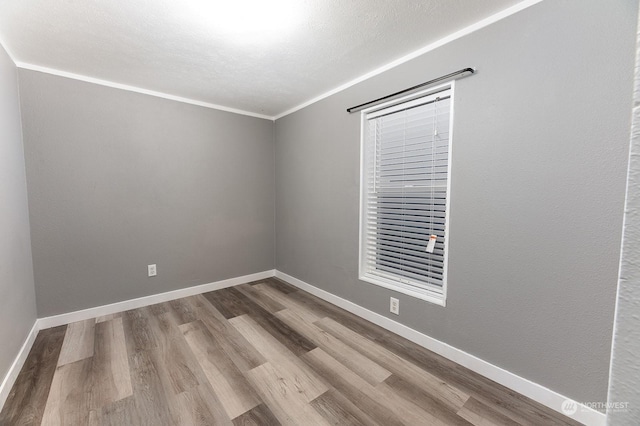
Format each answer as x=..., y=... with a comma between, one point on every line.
x=319, y=212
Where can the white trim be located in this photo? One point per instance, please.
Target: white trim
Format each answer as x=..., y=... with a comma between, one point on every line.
x=431, y=293
x=447, y=209
x=62, y=319
x=432, y=46
x=428, y=48
x=362, y=209
x=135, y=89
x=12, y=374
x=9, y=53
x=519, y=384
x=14, y=370
x=393, y=283
x=423, y=96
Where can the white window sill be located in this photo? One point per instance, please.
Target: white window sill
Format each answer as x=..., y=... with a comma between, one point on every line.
x=436, y=298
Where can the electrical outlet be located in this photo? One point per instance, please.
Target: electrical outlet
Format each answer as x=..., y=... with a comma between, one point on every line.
x=394, y=306
x=152, y=270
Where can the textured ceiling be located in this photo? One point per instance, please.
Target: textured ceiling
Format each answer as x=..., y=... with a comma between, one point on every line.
x=191, y=49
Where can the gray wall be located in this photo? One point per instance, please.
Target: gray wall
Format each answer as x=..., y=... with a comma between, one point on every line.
x=17, y=295
x=118, y=180
x=538, y=182
x=625, y=361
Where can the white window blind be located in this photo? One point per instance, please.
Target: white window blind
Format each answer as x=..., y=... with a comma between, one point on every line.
x=405, y=189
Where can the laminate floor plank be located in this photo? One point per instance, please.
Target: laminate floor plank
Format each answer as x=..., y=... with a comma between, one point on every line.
x=354, y=360
x=478, y=414
x=229, y=384
x=119, y=413
x=278, y=285
x=508, y=402
x=110, y=373
x=291, y=304
x=511, y=404
x=172, y=355
x=139, y=334
x=261, y=353
x=425, y=399
x=78, y=342
x=266, y=302
x=321, y=308
x=305, y=382
x=150, y=395
x=183, y=311
x=108, y=317
x=179, y=380
x=200, y=407
x=27, y=399
x=257, y=416
x=241, y=352
x=242, y=305
x=70, y=395
x=293, y=340
x=229, y=303
x=373, y=399
x=283, y=397
x=449, y=395
x=338, y=410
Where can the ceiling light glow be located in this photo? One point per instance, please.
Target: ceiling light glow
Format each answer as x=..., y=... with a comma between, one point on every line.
x=247, y=18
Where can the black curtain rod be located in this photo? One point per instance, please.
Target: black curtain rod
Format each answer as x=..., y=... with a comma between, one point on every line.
x=457, y=74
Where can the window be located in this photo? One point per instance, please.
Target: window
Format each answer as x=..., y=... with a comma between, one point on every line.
x=405, y=194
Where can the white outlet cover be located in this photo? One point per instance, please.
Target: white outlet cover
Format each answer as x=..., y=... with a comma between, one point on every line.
x=151, y=269
x=394, y=305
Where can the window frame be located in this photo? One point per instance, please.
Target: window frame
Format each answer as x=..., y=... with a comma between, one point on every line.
x=432, y=293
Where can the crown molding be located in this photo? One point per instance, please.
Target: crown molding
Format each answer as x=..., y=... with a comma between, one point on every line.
x=428, y=48
x=136, y=89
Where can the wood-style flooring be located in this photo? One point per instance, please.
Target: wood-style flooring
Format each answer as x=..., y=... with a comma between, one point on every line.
x=262, y=353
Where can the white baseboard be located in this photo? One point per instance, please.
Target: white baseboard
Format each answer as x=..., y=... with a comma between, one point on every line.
x=14, y=370
x=62, y=319
x=519, y=384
